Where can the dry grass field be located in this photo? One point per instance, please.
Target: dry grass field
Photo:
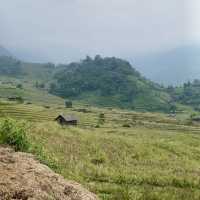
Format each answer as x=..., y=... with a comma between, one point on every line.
x=126, y=155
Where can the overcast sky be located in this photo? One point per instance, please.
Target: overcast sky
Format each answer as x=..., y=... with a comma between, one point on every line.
x=66, y=30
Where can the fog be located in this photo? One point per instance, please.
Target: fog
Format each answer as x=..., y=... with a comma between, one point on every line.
x=66, y=30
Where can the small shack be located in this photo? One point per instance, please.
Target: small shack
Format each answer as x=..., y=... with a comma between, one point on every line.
x=67, y=120
x=16, y=98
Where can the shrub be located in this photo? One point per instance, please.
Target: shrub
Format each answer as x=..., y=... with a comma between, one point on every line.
x=101, y=118
x=97, y=126
x=98, y=161
x=13, y=133
x=68, y=104
x=126, y=125
x=19, y=86
x=47, y=107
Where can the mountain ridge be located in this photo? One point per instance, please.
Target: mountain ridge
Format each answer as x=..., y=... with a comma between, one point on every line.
x=173, y=67
x=4, y=51
x=109, y=81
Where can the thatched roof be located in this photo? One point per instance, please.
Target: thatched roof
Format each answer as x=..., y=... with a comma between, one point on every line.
x=68, y=118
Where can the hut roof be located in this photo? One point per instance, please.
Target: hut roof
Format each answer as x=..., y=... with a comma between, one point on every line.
x=68, y=118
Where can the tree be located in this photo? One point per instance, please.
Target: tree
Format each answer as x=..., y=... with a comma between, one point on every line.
x=39, y=85
x=173, y=108
x=101, y=118
x=20, y=86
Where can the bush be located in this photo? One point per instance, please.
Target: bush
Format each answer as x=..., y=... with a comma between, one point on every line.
x=101, y=118
x=68, y=104
x=13, y=133
x=126, y=125
x=19, y=86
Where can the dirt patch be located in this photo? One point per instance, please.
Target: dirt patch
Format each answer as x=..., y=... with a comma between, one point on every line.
x=24, y=178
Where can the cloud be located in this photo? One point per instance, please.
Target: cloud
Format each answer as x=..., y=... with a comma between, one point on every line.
x=64, y=30
x=193, y=20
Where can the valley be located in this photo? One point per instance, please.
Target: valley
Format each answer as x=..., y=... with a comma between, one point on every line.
x=100, y=100
x=116, y=151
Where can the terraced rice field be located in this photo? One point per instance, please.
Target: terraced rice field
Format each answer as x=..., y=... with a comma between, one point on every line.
x=130, y=156
x=32, y=113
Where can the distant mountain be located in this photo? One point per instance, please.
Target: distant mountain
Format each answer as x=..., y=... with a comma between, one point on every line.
x=4, y=52
x=173, y=67
x=109, y=82
x=13, y=67
x=10, y=66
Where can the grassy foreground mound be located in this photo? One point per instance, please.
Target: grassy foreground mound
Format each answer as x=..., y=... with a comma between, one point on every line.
x=31, y=180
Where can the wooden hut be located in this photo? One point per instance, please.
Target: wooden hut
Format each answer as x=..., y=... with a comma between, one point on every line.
x=67, y=120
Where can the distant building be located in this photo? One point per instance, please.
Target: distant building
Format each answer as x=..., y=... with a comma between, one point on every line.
x=16, y=98
x=67, y=120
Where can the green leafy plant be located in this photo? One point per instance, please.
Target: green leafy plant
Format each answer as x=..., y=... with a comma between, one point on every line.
x=13, y=133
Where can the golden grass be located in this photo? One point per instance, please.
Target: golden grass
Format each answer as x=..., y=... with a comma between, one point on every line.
x=155, y=158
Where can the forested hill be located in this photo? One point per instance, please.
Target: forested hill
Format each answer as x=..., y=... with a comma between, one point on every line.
x=109, y=82
x=101, y=81
x=188, y=94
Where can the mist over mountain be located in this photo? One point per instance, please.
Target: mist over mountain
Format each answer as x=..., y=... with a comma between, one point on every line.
x=173, y=67
x=4, y=52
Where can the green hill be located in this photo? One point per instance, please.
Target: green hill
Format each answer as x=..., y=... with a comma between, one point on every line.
x=109, y=82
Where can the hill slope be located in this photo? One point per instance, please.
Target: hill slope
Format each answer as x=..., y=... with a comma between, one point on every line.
x=188, y=94
x=109, y=82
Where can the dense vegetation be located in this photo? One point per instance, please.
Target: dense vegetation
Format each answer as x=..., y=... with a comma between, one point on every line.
x=100, y=81
x=109, y=82
x=188, y=94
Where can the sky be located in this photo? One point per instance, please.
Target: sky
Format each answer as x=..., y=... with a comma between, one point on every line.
x=68, y=30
